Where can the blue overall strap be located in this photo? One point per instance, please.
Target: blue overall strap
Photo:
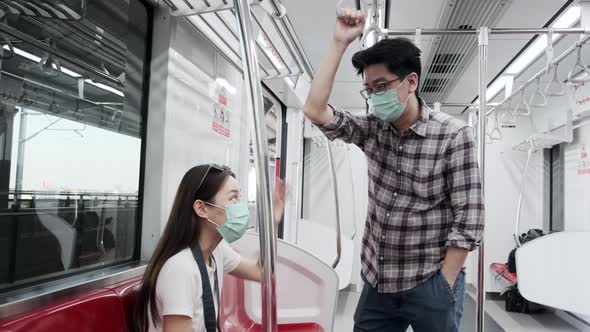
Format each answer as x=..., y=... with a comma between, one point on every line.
x=208, y=304
x=217, y=295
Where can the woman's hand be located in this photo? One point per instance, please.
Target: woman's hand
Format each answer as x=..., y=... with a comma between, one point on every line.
x=278, y=201
x=250, y=269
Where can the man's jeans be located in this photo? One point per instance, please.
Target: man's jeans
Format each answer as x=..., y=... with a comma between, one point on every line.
x=429, y=307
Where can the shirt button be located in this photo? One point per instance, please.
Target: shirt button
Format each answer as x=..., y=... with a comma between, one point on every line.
x=401, y=147
x=395, y=194
x=388, y=214
x=381, y=258
x=399, y=171
x=383, y=237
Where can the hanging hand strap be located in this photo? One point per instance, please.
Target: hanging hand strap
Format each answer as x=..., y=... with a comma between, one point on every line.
x=418, y=38
x=579, y=67
x=208, y=303
x=338, y=7
x=437, y=106
x=549, y=50
x=374, y=27
x=8, y=43
x=496, y=133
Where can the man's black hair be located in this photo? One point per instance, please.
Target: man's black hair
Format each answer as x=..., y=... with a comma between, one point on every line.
x=399, y=55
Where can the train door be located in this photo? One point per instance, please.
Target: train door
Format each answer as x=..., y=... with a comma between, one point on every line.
x=275, y=128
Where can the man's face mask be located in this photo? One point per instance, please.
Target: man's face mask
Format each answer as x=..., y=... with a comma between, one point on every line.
x=387, y=106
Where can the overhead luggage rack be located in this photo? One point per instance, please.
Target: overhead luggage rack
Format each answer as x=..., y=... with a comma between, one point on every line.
x=279, y=52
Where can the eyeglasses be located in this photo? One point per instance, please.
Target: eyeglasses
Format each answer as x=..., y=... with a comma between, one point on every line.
x=378, y=90
x=218, y=168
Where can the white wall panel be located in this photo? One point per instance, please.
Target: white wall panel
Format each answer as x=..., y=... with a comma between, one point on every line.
x=577, y=182
x=184, y=91
x=503, y=177
x=360, y=183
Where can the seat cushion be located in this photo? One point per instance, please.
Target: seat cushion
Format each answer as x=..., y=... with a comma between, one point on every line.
x=97, y=311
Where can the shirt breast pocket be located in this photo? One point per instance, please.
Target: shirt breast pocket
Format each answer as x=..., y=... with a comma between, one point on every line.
x=428, y=183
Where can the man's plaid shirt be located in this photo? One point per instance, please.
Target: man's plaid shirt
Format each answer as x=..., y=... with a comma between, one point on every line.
x=424, y=194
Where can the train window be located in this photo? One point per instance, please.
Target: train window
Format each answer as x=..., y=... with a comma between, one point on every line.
x=70, y=137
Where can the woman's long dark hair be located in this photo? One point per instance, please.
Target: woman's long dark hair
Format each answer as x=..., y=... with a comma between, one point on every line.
x=182, y=231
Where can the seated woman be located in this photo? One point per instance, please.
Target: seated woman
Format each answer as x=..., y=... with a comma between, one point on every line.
x=182, y=283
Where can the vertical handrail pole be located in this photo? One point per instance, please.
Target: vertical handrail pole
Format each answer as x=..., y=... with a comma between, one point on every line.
x=521, y=193
x=263, y=190
x=354, y=230
x=332, y=170
x=20, y=159
x=481, y=145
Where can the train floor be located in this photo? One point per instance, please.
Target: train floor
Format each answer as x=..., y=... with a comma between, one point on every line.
x=496, y=320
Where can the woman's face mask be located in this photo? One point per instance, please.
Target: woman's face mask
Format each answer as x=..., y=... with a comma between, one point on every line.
x=387, y=106
x=236, y=222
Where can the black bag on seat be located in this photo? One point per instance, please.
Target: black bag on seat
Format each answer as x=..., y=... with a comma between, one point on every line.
x=524, y=238
x=512, y=261
x=514, y=302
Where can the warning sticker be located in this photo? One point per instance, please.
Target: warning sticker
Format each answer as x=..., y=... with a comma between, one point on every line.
x=583, y=163
x=221, y=116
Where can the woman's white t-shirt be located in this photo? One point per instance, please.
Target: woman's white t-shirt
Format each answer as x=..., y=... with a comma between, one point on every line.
x=179, y=290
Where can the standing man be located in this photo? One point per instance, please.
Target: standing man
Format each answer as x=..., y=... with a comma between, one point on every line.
x=426, y=208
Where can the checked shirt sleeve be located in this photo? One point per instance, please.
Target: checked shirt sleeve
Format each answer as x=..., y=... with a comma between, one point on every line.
x=352, y=129
x=464, y=183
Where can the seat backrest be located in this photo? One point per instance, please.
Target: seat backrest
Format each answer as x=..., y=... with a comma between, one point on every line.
x=65, y=234
x=125, y=230
x=87, y=227
x=38, y=251
x=307, y=291
x=127, y=292
x=552, y=271
x=7, y=244
x=94, y=312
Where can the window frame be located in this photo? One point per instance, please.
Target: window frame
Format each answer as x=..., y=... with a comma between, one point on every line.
x=283, y=127
x=31, y=294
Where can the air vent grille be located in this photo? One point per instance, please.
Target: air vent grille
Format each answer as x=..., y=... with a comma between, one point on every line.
x=449, y=56
x=432, y=85
x=445, y=63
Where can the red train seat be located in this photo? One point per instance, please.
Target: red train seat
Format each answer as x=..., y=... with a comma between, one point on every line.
x=111, y=309
x=107, y=309
x=234, y=317
x=100, y=310
x=127, y=292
